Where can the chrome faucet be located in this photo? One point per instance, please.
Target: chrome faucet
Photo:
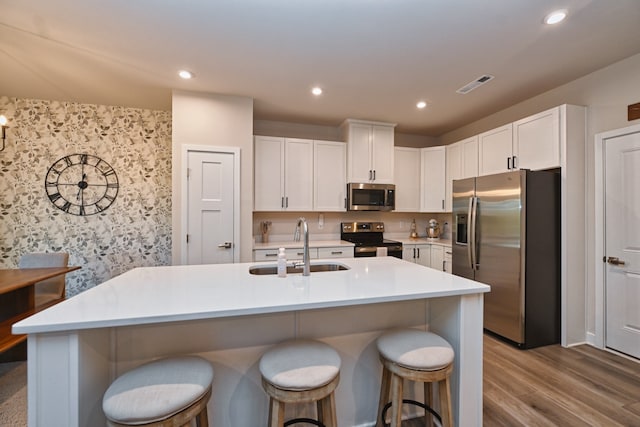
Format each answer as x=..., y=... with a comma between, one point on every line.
x=306, y=270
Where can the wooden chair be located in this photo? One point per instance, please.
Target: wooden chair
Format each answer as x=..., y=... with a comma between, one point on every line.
x=50, y=290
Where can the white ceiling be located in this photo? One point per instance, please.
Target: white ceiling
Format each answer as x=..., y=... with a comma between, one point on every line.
x=374, y=58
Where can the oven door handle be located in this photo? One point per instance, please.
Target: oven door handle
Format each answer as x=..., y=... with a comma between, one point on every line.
x=366, y=249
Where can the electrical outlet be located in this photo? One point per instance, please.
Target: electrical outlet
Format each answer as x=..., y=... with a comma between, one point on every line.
x=320, y=222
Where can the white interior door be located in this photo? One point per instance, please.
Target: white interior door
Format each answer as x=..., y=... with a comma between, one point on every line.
x=622, y=243
x=211, y=208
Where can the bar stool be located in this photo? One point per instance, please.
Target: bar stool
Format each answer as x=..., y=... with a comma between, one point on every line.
x=162, y=393
x=411, y=354
x=301, y=371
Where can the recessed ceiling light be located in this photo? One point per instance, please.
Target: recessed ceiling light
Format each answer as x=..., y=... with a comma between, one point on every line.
x=421, y=104
x=555, y=17
x=316, y=91
x=184, y=74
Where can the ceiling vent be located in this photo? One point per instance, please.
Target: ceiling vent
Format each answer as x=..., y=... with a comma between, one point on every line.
x=474, y=84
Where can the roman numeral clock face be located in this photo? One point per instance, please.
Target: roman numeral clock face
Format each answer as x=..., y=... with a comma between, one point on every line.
x=81, y=184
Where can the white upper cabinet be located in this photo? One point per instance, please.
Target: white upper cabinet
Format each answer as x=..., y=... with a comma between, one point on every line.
x=462, y=162
x=330, y=176
x=268, y=154
x=370, y=151
x=407, y=179
x=538, y=140
x=283, y=174
x=495, y=150
x=432, y=178
x=530, y=143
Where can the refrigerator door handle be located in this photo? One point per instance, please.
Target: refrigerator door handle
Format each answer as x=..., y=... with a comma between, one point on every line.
x=470, y=232
x=472, y=240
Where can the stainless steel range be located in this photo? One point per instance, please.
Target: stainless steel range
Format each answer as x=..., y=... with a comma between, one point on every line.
x=367, y=237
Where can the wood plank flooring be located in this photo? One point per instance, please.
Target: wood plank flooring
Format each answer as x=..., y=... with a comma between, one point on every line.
x=555, y=386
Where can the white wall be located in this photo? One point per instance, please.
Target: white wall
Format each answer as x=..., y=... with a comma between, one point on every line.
x=606, y=94
x=218, y=120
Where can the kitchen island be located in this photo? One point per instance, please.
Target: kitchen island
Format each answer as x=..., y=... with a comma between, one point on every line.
x=230, y=317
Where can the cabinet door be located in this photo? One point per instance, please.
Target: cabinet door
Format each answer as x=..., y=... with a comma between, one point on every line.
x=406, y=172
x=409, y=252
x=298, y=174
x=433, y=179
x=359, y=153
x=268, y=173
x=537, y=139
x=495, y=150
x=437, y=257
x=469, y=153
x=382, y=151
x=329, y=176
x=453, y=171
x=423, y=255
x=447, y=260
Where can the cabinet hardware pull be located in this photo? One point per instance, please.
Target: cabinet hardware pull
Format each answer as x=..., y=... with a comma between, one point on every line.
x=286, y=204
x=414, y=253
x=374, y=175
x=418, y=252
x=509, y=163
x=282, y=202
x=336, y=252
x=513, y=162
x=271, y=255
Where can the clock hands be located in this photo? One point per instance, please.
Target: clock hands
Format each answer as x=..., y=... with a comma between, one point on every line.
x=82, y=184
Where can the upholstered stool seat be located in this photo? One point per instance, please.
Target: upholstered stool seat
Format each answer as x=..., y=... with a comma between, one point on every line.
x=165, y=392
x=301, y=371
x=415, y=355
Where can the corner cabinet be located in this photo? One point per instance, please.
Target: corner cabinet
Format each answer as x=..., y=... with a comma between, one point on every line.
x=283, y=174
x=432, y=178
x=407, y=179
x=370, y=151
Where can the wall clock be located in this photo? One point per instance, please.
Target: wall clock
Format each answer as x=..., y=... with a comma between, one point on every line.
x=81, y=184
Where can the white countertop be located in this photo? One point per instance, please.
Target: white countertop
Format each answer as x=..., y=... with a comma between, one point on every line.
x=312, y=244
x=175, y=293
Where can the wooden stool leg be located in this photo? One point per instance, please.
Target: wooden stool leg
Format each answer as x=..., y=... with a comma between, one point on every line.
x=384, y=395
x=202, y=419
x=327, y=411
x=428, y=400
x=444, y=391
x=396, y=401
x=276, y=413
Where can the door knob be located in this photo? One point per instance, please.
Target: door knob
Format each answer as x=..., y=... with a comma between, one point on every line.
x=614, y=261
x=226, y=245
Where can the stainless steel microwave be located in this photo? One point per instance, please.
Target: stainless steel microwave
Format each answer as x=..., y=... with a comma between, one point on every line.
x=371, y=197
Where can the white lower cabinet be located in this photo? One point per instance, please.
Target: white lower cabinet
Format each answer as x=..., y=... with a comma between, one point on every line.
x=448, y=260
x=434, y=256
x=437, y=257
x=295, y=254
x=418, y=253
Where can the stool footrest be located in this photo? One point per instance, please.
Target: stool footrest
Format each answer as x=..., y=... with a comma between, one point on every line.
x=412, y=402
x=303, y=420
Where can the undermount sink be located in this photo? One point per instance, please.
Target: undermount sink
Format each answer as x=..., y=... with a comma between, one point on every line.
x=273, y=269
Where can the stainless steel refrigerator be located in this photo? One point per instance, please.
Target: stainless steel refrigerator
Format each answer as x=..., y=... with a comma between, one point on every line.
x=506, y=234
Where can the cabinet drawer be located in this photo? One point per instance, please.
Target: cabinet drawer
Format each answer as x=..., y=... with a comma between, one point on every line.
x=297, y=253
x=339, y=252
x=265, y=255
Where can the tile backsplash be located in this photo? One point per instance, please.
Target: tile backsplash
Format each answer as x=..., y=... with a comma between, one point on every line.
x=397, y=224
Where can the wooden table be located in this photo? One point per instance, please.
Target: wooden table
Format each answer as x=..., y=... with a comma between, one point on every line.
x=17, y=298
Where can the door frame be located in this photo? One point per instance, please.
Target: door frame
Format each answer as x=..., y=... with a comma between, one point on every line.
x=598, y=337
x=184, y=157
